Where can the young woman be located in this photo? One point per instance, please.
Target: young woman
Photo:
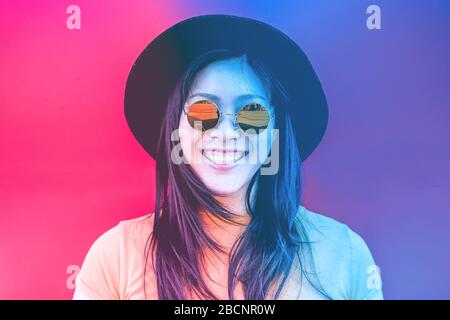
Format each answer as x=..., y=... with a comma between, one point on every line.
x=229, y=108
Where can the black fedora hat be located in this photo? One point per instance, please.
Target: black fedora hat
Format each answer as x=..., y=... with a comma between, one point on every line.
x=157, y=69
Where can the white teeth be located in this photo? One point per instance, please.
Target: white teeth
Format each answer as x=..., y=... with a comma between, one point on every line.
x=220, y=157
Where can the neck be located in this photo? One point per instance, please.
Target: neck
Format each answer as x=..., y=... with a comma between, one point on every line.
x=236, y=202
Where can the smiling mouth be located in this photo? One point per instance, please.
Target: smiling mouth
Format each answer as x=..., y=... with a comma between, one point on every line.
x=224, y=157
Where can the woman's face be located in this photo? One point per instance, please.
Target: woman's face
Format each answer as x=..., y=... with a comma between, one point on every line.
x=225, y=158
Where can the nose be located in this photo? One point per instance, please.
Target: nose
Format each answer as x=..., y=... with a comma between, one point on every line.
x=226, y=128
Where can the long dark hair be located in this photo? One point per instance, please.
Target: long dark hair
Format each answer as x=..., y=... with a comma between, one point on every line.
x=273, y=240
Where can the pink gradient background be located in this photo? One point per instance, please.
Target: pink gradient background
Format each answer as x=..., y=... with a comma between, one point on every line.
x=70, y=168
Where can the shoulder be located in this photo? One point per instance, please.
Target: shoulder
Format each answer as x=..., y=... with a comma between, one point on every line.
x=100, y=274
x=124, y=234
x=136, y=227
x=342, y=260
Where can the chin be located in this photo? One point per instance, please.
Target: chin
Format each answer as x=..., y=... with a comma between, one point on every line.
x=222, y=187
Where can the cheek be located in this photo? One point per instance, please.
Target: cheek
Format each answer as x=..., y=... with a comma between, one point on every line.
x=189, y=139
x=259, y=147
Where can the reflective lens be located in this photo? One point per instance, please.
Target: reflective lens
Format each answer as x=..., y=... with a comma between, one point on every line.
x=204, y=111
x=253, y=116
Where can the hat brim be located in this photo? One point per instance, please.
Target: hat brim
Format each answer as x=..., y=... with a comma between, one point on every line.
x=157, y=69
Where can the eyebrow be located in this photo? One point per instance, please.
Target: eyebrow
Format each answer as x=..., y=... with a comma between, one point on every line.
x=214, y=97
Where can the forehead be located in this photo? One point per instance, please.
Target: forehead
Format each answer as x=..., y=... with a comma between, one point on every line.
x=229, y=77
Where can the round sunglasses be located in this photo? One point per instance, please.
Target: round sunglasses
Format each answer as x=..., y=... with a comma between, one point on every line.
x=251, y=116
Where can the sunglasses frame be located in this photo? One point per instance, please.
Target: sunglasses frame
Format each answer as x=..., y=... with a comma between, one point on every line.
x=235, y=115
